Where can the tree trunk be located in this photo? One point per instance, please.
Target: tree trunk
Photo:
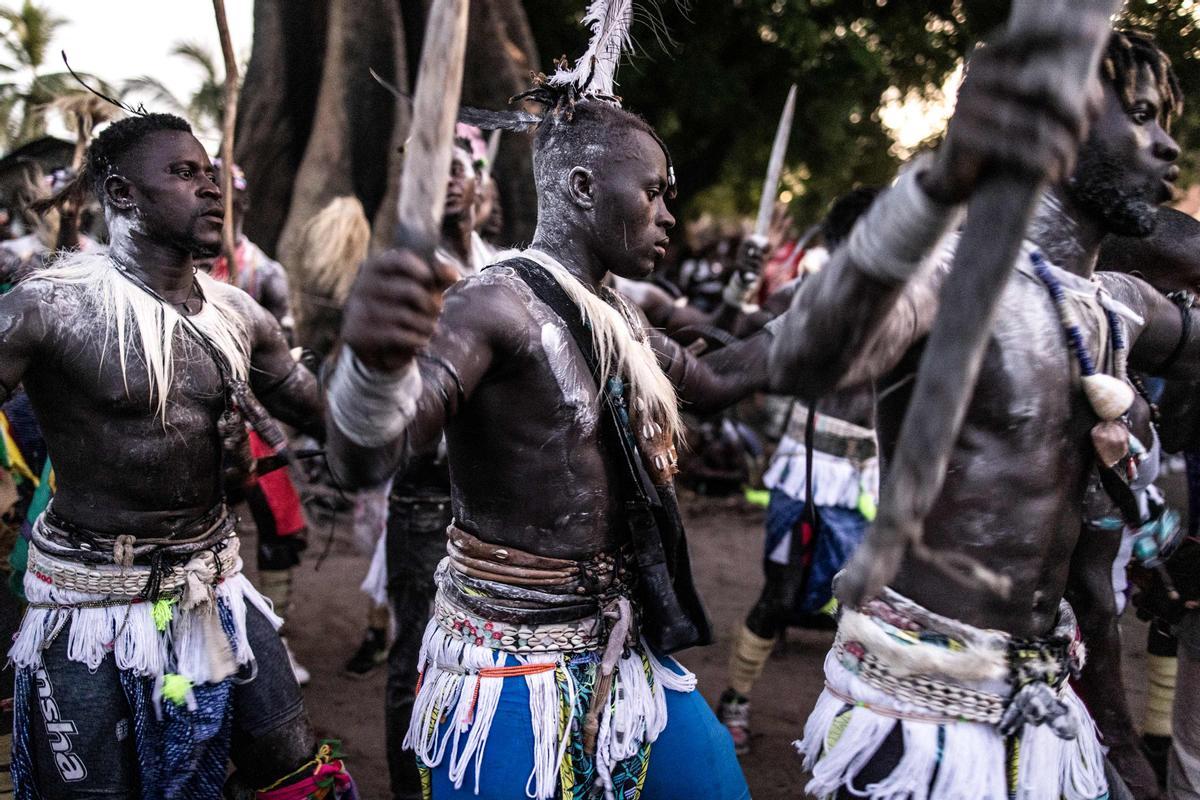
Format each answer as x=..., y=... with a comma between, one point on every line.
x=501, y=55
x=275, y=110
x=313, y=125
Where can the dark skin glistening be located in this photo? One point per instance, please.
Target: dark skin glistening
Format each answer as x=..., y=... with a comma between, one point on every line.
x=1028, y=425
x=525, y=457
x=120, y=467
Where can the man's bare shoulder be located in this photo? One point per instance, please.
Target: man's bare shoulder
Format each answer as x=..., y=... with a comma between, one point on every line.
x=44, y=304
x=1129, y=289
x=496, y=299
x=227, y=293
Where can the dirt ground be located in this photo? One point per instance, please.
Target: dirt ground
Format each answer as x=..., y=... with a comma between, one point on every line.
x=726, y=538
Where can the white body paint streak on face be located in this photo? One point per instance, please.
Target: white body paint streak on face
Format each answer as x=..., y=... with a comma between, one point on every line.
x=567, y=375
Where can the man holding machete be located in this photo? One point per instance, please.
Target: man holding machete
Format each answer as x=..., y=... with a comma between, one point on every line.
x=942, y=688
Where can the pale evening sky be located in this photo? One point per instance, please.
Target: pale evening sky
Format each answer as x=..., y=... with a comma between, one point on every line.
x=121, y=39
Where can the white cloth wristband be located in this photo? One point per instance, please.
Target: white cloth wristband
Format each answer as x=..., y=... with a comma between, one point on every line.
x=900, y=229
x=372, y=408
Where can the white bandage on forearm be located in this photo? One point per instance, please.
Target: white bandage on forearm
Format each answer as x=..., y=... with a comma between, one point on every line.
x=372, y=408
x=900, y=229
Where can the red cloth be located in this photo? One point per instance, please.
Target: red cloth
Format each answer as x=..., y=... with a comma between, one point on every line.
x=783, y=266
x=281, y=494
x=327, y=782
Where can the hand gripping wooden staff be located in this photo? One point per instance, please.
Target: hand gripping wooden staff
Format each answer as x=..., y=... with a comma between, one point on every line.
x=998, y=214
x=431, y=135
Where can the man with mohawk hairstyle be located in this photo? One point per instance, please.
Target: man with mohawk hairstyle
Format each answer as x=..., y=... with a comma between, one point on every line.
x=146, y=660
x=545, y=670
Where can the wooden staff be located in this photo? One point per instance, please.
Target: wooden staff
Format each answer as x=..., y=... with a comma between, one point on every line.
x=998, y=214
x=228, y=124
x=431, y=135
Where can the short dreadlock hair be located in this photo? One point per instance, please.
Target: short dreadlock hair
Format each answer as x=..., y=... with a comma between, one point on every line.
x=118, y=139
x=105, y=151
x=568, y=136
x=1127, y=52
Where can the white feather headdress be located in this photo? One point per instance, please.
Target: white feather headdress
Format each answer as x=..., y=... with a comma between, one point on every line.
x=595, y=73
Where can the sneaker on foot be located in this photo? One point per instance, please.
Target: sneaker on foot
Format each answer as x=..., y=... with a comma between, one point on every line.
x=302, y=674
x=734, y=713
x=370, y=654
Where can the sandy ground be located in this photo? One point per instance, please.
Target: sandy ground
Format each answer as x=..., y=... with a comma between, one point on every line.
x=726, y=537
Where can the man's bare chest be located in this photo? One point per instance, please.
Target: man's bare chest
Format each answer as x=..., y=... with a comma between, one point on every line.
x=99, y=367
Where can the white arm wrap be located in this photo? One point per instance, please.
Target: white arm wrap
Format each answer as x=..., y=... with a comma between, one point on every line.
x=372, y=408
x=900, y=229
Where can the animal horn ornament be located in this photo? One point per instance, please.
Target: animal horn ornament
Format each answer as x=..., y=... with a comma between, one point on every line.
x=998, y=215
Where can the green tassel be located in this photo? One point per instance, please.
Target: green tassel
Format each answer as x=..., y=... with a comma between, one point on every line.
x=175, y=688
x=866, y=505
x=758, y=497
x=162, y=612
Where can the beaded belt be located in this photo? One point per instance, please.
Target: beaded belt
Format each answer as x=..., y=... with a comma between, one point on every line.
x=950, y=700
x=907, y=635
x=833, y=436
x=565, y=637
x=202, y=567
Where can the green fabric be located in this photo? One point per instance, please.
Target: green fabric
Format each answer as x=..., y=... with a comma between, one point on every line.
x=19, y=558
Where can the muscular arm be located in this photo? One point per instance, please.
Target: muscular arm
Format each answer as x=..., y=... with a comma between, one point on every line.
x=719, y=379
x=285, y=387
x=275, y=299
x=472, y=323
x=22, y=329
x=1156, y=341
x=852, y=321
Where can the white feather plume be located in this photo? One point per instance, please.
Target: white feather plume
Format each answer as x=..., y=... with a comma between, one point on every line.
x=596, y=71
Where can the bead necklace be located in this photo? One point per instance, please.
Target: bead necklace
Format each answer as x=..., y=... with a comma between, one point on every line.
x=1109, y=396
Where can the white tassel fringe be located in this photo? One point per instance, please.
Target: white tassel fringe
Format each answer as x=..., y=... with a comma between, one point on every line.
x=204, y=653
x=972, y=764
x=635, y=714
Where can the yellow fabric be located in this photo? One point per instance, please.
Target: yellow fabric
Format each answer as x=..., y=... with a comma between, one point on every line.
x=14, y=452
x=746, y=661
x=836, y=729
x=1160, y=697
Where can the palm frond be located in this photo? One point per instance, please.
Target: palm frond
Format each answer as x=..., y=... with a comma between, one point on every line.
x=199, y=55
x=156, y=90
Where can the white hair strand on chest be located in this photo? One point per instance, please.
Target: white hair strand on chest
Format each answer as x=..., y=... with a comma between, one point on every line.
x=135, y=316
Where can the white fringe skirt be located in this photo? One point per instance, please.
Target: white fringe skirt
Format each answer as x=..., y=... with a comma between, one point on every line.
x=189, y=643
x=451, y=689
x=943, y=759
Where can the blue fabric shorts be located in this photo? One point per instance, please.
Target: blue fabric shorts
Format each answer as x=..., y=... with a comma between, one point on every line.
x=839, y=532
x=692, y=758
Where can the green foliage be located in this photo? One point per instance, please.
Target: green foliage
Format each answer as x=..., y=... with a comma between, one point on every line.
x=205, y=109
x=716, y=96
x=26, y=92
